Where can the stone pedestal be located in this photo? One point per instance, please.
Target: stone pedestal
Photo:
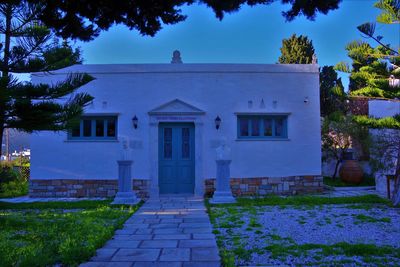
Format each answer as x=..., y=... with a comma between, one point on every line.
x=223, y=193
x=125, y=195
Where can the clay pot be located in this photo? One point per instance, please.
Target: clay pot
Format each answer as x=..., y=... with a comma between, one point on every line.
x=351, y=172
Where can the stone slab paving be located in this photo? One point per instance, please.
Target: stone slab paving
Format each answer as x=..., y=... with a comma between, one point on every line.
x=170, y=231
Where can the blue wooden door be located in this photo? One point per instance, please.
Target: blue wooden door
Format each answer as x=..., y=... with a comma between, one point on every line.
x=176, y=158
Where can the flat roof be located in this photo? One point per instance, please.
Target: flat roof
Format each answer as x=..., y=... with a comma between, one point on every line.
x=186, y=68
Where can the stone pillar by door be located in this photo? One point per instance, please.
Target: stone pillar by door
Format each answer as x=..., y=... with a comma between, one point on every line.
x=223, y=193
x=125, y=195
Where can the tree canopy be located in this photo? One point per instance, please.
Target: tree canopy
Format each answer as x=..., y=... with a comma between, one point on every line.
x=85, y=19
x=296, y=50
x=29, y=46
x=371, y=66
x=331, y=91
x=370, y=74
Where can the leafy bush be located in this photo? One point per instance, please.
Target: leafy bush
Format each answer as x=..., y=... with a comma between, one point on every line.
x=14, y=188
x=12, y=183
x=367, y=181
x=387, y=122
x=7, y=174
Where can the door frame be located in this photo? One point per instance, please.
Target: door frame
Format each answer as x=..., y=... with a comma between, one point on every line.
x=154, y=121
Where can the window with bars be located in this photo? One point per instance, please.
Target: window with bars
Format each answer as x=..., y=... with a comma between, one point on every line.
x=95, y=128
x=262, y=127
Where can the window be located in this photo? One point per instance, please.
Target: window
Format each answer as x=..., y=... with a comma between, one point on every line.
x=262, y=126
x=95, y=128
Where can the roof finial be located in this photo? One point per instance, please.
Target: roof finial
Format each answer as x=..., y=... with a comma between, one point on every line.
x=176, y=57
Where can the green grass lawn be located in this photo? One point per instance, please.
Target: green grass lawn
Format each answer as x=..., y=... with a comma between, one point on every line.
x=305, y=200
x=367, y=181
x=67, y=233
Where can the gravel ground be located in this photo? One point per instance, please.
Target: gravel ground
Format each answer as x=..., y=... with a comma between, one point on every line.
x=329, y=235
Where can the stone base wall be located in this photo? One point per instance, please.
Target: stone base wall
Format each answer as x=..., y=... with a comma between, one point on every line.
x=83, y=188
x=141, y=187
x=261, y=186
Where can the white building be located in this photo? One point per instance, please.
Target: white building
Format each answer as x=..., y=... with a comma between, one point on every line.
x=168, y=115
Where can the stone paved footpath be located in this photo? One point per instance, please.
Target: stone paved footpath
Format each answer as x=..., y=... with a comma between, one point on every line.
x=172, y=231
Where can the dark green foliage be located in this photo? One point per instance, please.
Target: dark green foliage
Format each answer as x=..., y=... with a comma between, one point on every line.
x=7, y=174
x=296, y=50
x=13, y=183
x=36, y=110
x=28, y=48
x=382, y=123
x=308, y=8
x=55, y=56
x=332, y=95
x=371, y=66
x=15, y=188
x=86, y=19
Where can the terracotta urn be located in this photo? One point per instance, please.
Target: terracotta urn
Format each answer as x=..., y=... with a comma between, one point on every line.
x=351, y=172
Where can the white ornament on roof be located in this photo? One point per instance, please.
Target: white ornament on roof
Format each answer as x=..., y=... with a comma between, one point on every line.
x=176, y=57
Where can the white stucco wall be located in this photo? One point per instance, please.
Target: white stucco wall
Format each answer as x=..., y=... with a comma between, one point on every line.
x=217, y=89
x=383, y=108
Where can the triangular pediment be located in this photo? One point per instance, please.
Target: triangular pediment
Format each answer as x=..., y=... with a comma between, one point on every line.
x=176, y=106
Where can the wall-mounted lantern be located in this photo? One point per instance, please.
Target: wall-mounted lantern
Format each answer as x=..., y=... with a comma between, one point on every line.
x=135, y=121
x=217, y=122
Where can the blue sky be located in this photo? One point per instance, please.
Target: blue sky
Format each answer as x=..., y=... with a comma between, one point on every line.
x=252, y=35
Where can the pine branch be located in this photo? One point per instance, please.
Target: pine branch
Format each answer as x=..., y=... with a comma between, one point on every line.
x=368, y=29
x=50, y=92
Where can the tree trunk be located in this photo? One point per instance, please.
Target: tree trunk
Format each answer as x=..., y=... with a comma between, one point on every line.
x=1, y=139
x=336, y=169
x=7, y=41
x=4, y=69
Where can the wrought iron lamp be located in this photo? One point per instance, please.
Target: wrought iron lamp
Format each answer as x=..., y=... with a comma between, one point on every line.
x=217, y=122
x=135, y=121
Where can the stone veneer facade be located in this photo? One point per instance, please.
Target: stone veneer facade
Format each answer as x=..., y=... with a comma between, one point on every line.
x=259, y=186
x=262, y=186
x=83, y=188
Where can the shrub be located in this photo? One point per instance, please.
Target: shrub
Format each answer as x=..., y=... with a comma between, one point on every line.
x=7, y=174
x=12, y=183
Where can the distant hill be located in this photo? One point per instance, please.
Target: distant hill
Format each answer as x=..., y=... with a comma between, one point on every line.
x=18, y=141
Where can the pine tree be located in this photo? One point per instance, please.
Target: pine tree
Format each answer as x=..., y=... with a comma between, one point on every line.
x=331, y=91
x=28, y=47
x=369, y=70
x=369, y=75
x=296, y=50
